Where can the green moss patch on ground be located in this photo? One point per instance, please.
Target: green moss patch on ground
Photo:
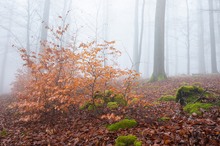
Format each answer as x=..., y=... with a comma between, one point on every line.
x=167, y=98
x=123, y=124
x=195, y=107
x=129, y=140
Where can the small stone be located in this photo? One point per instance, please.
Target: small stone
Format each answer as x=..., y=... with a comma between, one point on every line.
x=194, y=114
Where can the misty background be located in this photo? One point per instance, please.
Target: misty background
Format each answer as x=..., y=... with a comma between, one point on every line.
x=187, y=26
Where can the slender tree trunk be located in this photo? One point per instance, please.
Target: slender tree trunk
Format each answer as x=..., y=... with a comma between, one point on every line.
x=149, y=42
x=159, y=71
x=5, y=54
x=167, y=39
x=45, y=23
x=188, y=39
x=136, y=38
x=28, y=27
x=141, y=36
x=212, y=38
x=201, y=40
x=105, y=30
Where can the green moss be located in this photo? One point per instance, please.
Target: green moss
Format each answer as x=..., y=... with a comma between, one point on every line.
x=167, y=98
x=160, y=77
x=188, y=94
x=98, y=94
x=129, y=140
x=137, y=143
x=112, y=105
x=108, y=92
x=85, y=105
x=99, y=104
x=119, y=98
x=163, y=119
x=123, y=124
x=91, y=107
x=195, y=107
x=3, y=133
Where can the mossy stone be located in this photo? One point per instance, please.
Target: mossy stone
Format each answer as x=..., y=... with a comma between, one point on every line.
x=112, y=105
x=188, y=94
x=129, y=140
x=123, y=124
x=119, y=98
x=195, y=107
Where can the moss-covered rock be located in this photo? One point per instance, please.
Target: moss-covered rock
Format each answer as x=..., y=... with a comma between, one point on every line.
x=167, y=98
x=195, y=107
x=129, y=140
x=112, y=105
x=188, y=94
x=119, y=98
x=123, y=124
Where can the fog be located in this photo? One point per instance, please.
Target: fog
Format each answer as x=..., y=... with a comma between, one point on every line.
x=110, y=20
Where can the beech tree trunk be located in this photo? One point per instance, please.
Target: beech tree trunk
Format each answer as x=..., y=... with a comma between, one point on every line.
x=212, y=38
x=5, y=53
x=45, y=23
x=158, y=70
x=201, y=40
x=136, y=37
x=188, y=39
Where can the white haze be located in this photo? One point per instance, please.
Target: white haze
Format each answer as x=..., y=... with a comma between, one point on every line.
x=86, y=18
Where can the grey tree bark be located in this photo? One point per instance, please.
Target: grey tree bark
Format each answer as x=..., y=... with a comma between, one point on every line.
x=105, y=29
x=188, y=38
x=158, y=70
x=167, y=39
x=28, y=27
x=212, y=38
x=7, y=46
x=201, y=49
x=136, y=37
x=141, y=36
x=45, y=23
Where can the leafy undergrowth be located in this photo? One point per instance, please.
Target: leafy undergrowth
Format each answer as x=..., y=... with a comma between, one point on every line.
x=161, y=123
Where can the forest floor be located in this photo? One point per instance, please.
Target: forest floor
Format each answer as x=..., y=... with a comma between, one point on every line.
x=87, y=128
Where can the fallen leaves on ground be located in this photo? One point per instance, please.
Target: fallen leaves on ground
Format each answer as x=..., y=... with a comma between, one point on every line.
x=89, y=128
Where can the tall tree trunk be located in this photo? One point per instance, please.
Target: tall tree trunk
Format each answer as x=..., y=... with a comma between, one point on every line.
x=141, y=36
x=188, y=39
x=149, y=42
x=201, y=39
x=28, y=27
x=212, y=38
x=45, y=23
x=136, y=38
x=167, y=39
x=5, y=54
x=159, y=71
x=105, y=29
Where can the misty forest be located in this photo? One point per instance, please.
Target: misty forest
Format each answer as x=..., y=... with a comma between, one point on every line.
x=109, y=72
